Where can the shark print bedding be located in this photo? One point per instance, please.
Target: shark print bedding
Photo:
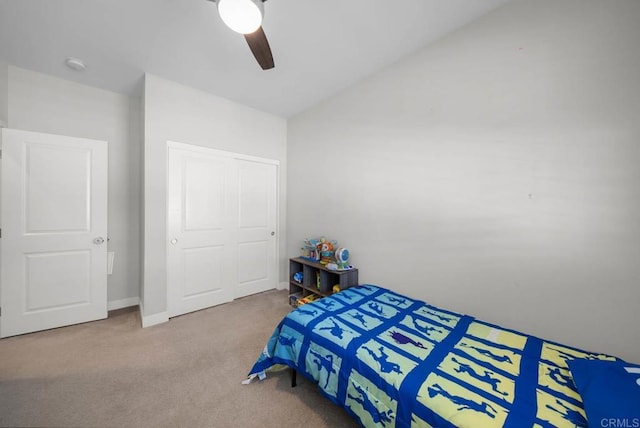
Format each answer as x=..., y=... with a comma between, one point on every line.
x=392, y=361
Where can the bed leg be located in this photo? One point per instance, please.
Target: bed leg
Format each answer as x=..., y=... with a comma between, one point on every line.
x=293, y=378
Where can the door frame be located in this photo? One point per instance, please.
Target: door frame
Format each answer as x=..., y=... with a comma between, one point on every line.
x=221, y=153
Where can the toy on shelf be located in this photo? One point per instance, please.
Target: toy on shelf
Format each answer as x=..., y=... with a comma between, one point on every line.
x=318, y=250
x=293, y=299
x=342, y=259
x=308, y=299
x=311, y=249
x=326, y=251
x=297, y=277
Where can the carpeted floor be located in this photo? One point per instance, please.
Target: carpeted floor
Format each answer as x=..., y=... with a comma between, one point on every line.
x=184, y=373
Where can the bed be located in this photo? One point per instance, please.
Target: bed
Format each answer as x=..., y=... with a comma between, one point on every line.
x=390, y=360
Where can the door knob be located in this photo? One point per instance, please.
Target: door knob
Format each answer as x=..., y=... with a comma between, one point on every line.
x=99, y=240
x=174, y=241
x=273, y=233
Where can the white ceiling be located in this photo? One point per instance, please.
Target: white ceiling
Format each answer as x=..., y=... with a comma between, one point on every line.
x=319, y=47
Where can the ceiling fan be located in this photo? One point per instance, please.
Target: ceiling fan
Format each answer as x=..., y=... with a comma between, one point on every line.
x=245, y=17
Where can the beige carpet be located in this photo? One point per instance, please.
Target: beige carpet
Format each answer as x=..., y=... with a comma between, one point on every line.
x=184, y=373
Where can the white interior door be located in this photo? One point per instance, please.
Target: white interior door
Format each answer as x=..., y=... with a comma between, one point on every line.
x=257, y=208
x=200, y=262
x=222, y=216
x=53, y=266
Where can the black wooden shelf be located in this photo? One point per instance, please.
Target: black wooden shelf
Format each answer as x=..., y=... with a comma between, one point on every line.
x=317, y=278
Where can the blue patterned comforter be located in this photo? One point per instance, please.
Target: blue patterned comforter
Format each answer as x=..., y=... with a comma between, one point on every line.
x=392, y=361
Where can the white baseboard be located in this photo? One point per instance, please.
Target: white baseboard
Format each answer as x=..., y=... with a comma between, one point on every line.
x=123, y=303
x=283, y=286
x=151, y=320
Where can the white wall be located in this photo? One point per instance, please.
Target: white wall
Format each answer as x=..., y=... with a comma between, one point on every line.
x=496, y=173
x=182, y=114
x=41, y=103
x=4, y=89
x=4, y=94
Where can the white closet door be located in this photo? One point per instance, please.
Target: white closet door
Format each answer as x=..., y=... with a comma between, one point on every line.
x=257, y=199
x=222, y=216
x=53, y=267
x=200, y=254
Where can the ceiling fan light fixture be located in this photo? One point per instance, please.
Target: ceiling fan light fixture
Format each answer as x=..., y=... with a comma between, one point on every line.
x=242, y=16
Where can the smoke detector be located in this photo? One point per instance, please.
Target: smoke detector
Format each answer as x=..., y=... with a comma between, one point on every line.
x=75, y=64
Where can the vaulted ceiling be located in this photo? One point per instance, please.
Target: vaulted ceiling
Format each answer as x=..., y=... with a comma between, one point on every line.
x=320, y=47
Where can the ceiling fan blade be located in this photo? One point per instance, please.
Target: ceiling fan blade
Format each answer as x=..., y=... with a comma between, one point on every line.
x=260, y=47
